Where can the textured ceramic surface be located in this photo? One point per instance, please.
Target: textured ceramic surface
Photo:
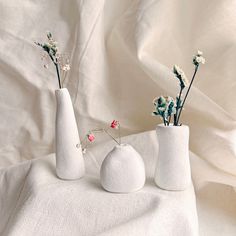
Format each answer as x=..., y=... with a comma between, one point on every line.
x=69, y=159
x=122, y=170
x=173, y=167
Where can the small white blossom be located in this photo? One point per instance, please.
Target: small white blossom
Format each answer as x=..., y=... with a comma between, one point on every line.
x=66, y=67
x=199, y=53
x=198, y=58
x=162, y=108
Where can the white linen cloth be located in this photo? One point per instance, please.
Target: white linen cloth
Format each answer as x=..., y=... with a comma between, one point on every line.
x=37, y=203
x=121, y=53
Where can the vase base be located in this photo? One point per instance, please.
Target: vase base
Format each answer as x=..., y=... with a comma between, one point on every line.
x=176, y=189
x=123, y=192
x=69, y=179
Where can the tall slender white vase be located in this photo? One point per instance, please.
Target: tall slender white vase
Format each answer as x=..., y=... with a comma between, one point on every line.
x=69, y=158
x=173, y=167
x=122, y=170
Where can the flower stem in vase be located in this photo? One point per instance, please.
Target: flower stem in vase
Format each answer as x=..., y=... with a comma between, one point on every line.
x=112, y=136
x=182, y=105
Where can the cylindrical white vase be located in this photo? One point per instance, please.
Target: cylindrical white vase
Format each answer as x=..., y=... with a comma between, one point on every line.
x=122, y=170
x=173, y=167
x=69, y=158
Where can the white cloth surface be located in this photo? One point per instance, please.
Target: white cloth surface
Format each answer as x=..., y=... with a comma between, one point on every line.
x=37, y=203
x=121, y=53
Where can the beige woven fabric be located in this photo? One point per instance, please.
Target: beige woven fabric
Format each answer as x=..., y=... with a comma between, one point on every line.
x=36, y=202
x=122, y=53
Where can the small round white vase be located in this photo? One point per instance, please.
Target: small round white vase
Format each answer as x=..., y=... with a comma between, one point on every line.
x=69, y=159
x=122, y=170
x=173, y=167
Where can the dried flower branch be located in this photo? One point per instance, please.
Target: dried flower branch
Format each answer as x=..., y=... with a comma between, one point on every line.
x=167, y=106
x=60, y=61
x=90, y=136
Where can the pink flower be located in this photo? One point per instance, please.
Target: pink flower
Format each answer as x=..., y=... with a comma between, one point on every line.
x=90, y=137
x=115, y=124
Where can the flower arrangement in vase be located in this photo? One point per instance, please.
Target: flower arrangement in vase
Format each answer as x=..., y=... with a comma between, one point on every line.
x=173, y=167
x=69, y=159
x=90, y=136
x=122, y=170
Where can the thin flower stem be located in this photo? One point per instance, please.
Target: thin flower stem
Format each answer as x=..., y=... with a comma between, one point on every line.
x=86, y=145
x=79, y=145
x=96, y=130
x=52, y=58
x=195, y=72
x=64, y=73
x=104, y=130
x=169, y=120
x=57, y=69
x=58, y=74
x=111, y=137
x=119, y=134
x=164, y=120
x=175, y=118
x=177, y=108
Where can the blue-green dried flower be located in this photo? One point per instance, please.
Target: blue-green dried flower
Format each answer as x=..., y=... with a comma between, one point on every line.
x=159, y=102
x=171, y=107
x=164, y=107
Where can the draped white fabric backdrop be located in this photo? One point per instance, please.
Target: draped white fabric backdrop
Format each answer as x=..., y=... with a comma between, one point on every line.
x=122, y=52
